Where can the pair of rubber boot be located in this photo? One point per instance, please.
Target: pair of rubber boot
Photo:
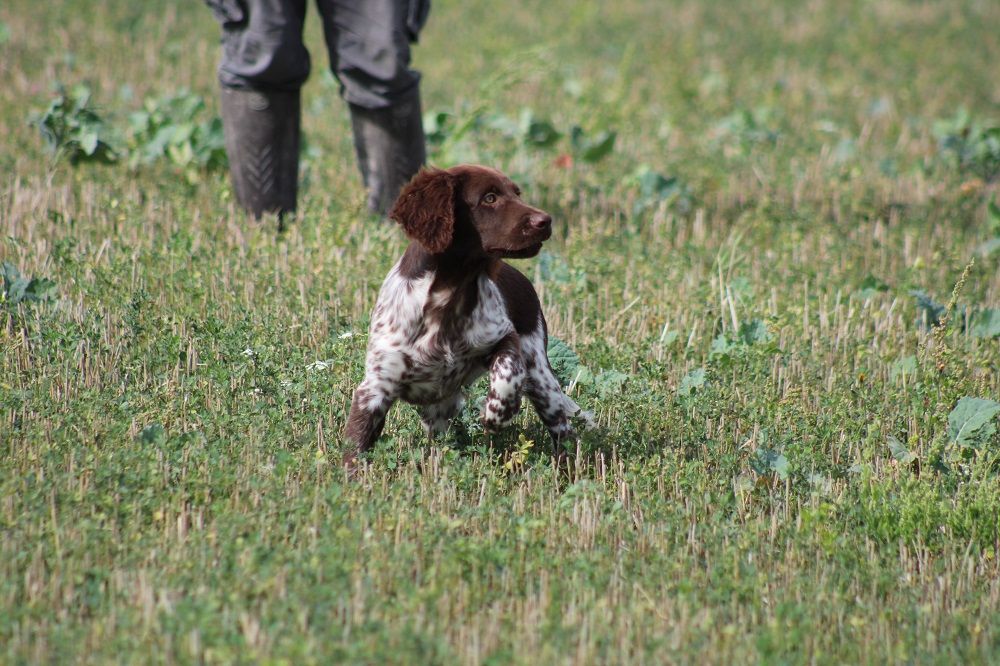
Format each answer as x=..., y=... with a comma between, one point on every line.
x=262, y=142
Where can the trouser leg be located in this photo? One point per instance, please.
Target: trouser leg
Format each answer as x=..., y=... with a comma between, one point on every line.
x=369, y=45
x=263, y=66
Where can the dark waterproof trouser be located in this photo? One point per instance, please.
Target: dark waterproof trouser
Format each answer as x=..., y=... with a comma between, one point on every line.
x=368, y=42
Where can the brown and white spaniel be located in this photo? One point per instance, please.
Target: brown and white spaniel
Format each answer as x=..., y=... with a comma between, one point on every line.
x=451, y=310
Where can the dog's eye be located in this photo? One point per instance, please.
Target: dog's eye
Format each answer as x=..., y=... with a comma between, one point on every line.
x=490, y=198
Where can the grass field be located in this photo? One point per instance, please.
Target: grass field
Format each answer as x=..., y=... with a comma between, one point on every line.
x=776, y=260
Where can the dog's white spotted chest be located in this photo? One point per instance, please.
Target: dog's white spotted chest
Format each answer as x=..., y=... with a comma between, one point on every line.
x=424, y=359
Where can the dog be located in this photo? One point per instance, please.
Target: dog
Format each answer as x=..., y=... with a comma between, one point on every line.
x=451, y=310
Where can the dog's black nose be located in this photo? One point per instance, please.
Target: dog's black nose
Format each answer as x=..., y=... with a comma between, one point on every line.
x=540, y=221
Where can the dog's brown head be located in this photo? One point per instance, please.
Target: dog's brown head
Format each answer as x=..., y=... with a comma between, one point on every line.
x=470, y=209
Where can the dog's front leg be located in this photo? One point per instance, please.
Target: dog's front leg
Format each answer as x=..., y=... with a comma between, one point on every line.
x=507, y=375
x=364, y=425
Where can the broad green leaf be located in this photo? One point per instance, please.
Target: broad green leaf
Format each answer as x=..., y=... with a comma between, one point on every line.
x=438, y=125
x=655, y=188
x=743, y=483
x=933, y=311
x=767, y=461
x=139, y=121
x=780, y=466
x=13, y=284
x=899, y=451
x=610, y=381
x=541, y=134
x=18, y=289
x=720, y=346
x=563, y=360
x=986, y=323
x=182, y=133
x=653, y=184
x=987, y=248
x=907, y=365
x=971, y=422
x=180, y=154
x=599, y=147
x=993, y=210
x=39, y=289
x=157, y=145
x=754, y=331
x=692, y=381
x=153, y=434
x=583, y=375
x=820, y=483
x=88, y=142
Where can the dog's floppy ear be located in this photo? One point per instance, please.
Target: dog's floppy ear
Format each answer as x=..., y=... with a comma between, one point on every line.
x=426, y=209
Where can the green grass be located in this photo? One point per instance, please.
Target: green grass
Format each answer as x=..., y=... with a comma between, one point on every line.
x=169, y=444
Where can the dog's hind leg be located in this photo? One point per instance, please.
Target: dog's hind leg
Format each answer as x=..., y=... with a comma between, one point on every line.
x=369, y=406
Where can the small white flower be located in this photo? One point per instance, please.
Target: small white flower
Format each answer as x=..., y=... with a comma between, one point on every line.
x=320, y=365
x=346, y=334
x=248, y=352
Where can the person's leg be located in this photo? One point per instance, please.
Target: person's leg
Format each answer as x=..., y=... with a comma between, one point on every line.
x=369, y=45
x=264, y=64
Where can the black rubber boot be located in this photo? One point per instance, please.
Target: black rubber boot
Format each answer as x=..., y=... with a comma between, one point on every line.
x=262, y=142
x=390, y=147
